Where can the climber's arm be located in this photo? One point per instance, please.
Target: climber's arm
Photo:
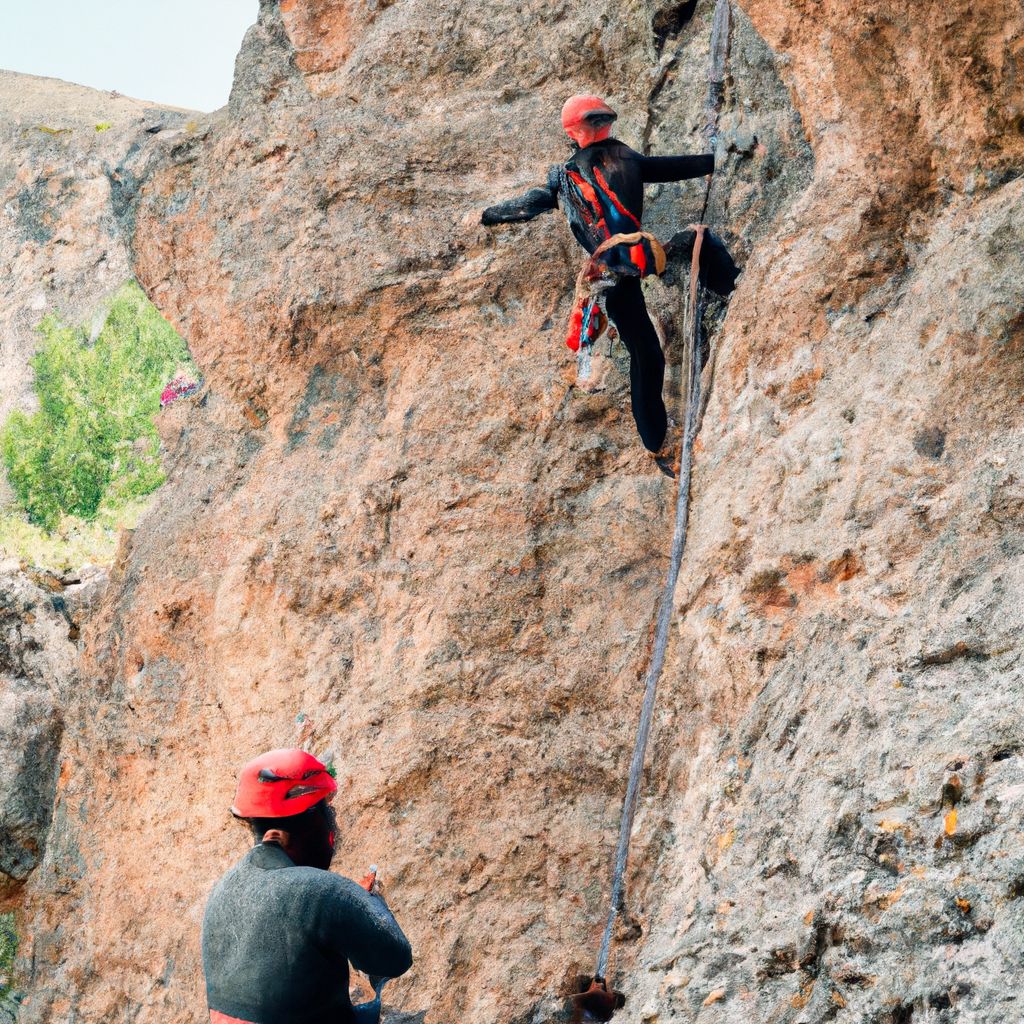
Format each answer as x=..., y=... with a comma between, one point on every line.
x=524, y=207
x=675, y=168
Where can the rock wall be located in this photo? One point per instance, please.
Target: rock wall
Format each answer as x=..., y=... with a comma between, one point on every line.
x=834, y=833
x=37, y=670
x=395, y=530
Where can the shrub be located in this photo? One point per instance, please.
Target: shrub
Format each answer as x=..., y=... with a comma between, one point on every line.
x=93, y=437
x=8, y=947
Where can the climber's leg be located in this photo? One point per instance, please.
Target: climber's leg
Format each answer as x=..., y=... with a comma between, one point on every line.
x=627, y=310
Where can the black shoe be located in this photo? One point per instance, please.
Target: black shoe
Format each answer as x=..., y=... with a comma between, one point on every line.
x=666, y=463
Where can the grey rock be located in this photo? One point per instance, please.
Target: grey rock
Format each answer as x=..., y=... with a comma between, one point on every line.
x=37, y=660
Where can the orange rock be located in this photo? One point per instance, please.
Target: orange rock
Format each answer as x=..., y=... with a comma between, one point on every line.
x=713, y=997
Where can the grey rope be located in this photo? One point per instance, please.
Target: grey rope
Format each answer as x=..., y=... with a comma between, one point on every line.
x=716, y=92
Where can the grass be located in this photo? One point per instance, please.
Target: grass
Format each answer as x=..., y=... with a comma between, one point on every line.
x=73, y=544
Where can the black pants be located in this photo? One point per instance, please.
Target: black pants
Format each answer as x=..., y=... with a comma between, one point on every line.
x=627, y=310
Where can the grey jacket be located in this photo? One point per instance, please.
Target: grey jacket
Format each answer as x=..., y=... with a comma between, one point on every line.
x=278, y=939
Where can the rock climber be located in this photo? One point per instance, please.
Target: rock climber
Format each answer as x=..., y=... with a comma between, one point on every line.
x=601, y=190
x=280, y=929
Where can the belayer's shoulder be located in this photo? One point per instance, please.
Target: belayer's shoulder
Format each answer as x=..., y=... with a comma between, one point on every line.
x=318, y=879
x=339, y=885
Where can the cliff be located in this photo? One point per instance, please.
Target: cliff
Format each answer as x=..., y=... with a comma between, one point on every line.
x=37, y=670
x=60, y=243
x=396, y=530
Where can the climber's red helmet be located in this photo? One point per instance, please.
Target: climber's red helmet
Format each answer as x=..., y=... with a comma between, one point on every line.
x=587, y=119
x=281, y=783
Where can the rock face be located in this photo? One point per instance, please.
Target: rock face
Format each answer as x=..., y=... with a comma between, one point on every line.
x=60, y=244
x=395, y=530
x=37, y=669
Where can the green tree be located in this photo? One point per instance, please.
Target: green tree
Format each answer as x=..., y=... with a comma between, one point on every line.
x=93, y=439
x=8, y=947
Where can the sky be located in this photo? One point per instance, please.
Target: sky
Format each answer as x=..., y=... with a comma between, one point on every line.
x=175, y=52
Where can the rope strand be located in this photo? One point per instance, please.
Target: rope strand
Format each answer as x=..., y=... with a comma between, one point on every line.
x=716, y=92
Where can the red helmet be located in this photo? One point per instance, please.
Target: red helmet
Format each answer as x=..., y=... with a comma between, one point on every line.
x=587, y=119
x=281, y=783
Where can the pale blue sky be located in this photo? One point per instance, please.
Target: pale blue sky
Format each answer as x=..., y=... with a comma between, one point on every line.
x=177, y=52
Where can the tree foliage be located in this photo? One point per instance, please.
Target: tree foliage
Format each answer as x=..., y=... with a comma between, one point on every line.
x=92, y=440
x=8, y=947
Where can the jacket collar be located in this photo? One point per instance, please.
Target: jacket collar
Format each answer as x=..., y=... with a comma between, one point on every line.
x=269, y=857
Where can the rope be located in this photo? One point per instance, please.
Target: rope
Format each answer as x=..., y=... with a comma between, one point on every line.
x=716, y=92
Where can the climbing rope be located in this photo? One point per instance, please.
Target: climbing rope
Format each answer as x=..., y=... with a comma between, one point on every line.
x=716, y=92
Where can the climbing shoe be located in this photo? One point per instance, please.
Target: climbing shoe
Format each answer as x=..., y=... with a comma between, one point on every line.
x=667, y=463
x=667, y=457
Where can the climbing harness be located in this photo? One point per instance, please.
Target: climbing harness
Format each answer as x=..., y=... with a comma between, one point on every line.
x=716, y=92
x=588, y=318
x=605, y=222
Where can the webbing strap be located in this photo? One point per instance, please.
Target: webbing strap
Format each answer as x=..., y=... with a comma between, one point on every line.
x=698, y=241
x=584, y=279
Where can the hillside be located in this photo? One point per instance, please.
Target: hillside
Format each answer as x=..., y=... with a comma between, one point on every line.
x=60, y=243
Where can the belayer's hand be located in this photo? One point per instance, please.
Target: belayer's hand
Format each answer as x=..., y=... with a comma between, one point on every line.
x=371, y=882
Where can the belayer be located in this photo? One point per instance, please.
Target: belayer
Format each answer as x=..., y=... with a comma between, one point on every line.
x=280, y=929
x=601, y=191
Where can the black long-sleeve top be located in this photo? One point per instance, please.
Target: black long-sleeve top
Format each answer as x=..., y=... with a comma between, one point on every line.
x=277, y=941
x=601, y=190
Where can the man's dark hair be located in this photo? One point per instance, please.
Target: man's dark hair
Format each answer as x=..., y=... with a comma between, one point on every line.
x=299, y=826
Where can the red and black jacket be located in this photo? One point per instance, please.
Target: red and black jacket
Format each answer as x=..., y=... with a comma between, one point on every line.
x=601, y=190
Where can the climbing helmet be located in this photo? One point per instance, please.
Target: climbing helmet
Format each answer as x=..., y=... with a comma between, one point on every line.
x=281, y=783
x=587, y=119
